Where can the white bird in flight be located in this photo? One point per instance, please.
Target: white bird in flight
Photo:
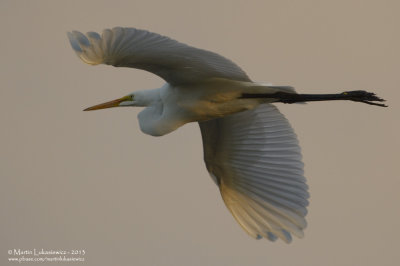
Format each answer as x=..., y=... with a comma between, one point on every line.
x=250, y=149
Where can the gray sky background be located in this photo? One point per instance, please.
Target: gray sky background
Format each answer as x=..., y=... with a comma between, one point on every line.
x=93, y=181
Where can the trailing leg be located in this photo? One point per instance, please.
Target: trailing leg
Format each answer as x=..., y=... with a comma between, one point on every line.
x=286, y=97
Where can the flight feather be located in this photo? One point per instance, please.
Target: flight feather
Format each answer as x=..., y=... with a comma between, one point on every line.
x=175, y=62
x=255, y=159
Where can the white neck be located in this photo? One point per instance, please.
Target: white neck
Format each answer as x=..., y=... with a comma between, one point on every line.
x=159, y=117
x=147, y=97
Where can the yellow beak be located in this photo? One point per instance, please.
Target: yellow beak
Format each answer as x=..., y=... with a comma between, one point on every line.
x=114, y=103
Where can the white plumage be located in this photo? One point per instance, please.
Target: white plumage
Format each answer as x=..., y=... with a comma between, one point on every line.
x=255, y=159
x=175, y=62
x=250, y=149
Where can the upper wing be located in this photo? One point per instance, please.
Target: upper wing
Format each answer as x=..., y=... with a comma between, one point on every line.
x=175, y=62
x=255, y=159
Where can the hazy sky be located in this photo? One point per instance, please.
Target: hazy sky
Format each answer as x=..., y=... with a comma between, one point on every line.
x=76, y=180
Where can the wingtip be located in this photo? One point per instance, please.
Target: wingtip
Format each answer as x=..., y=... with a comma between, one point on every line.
x=271, y=237
x=74, y=42
x=86, y=47
x=288, y=237
x=93, y=35
x=78, y=40
x=81, y=38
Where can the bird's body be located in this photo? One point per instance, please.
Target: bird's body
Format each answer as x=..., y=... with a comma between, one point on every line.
x=170, y=107
x=250, y=149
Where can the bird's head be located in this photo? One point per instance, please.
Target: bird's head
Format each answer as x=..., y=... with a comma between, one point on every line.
x=128, y=100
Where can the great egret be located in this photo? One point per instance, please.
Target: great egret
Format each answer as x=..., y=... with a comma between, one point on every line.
x=250, y=149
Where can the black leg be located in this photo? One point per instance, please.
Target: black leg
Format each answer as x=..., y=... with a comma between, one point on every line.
x=356, y=96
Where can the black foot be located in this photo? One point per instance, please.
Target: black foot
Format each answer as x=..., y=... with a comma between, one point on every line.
x=364, y=97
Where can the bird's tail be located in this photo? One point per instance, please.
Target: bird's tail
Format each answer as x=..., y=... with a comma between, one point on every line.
x=267, y=88
x=287, y=89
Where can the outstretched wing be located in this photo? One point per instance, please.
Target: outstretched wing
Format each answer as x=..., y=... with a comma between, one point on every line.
x=255, y=159
x=175, y=62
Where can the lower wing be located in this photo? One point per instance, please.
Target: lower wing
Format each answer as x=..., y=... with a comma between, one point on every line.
x=255, y=159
